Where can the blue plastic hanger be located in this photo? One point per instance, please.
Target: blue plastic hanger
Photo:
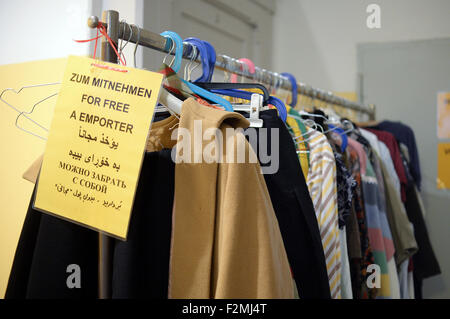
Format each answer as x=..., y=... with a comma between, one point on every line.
x=343, y=135
x=194, y=88
x=204, y=56
x=211, y=58
x=294, y=87
x=208, y=58
x=178, y=49
x=282, y=111
x=235, y=86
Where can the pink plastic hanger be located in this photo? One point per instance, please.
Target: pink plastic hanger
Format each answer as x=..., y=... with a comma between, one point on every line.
x=250, y=65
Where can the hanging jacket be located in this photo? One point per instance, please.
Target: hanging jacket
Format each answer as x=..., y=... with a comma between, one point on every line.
x=293, y=207
x=404, y=134
x=389, y=139
x=226, y=242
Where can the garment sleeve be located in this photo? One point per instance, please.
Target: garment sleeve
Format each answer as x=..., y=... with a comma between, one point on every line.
x=414, y=163
x=402, y=229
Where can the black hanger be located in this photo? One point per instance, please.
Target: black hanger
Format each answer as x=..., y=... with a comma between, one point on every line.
x=226, y=86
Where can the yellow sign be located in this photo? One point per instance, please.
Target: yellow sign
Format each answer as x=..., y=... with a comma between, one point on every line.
x=96, y=144
x=443, y=113
x=443, y=175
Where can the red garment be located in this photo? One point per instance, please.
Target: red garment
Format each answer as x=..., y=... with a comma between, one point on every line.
x=410, y=265
x=391, y=143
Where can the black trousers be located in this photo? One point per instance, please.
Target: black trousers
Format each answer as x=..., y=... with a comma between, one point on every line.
x=140, y=265
x=295, y=212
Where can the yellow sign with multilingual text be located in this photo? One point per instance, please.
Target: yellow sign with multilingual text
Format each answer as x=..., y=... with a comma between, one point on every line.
x=96, y=144
x=443, y=174
x=443, y=113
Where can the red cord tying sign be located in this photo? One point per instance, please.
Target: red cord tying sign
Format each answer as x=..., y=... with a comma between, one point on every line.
x=102, y=29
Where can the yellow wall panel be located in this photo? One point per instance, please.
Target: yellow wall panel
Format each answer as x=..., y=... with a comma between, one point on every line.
x=19, y=149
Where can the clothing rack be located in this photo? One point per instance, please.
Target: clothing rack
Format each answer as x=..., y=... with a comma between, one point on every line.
x=121, y=30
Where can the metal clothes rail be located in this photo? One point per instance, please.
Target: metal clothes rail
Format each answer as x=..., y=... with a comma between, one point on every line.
x=122, y=30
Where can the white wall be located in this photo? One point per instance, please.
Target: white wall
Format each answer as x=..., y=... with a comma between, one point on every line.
x=316, y=39
x=46, y=29
x=35, y=30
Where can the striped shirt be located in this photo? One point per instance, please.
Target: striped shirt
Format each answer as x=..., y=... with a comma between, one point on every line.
x=321, y=182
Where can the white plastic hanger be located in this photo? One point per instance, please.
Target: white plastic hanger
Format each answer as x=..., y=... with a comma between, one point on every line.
x=256, y=105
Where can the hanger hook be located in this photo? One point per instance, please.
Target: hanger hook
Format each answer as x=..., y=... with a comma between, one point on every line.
x=122, y=46
x=205, y=54
x=263, y=75
x=245, y=70
x=277, y=82
x=271, y=81
x=187, y=69
x=131, y=34
x=137, y=43
x=177, y=45
x=258, y=75
x=187, y=64
x=172, y=47
x=226, y=63
x=294, y=87
x=196, y=65
x=313, y=98
x=237, y=65
x=269, y=73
